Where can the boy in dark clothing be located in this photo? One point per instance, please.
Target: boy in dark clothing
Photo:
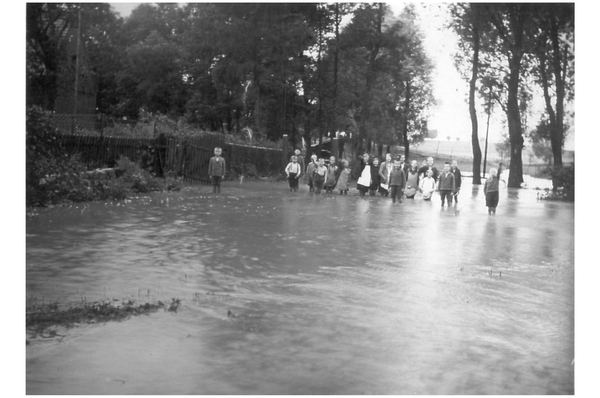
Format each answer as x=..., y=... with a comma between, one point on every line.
x=397, y=182
x=310, y=171
x=216, y=170
x=375, y=179
x=457, y=179
x=446, y=186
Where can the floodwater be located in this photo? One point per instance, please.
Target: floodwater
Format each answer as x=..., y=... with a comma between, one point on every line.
x=325, y=295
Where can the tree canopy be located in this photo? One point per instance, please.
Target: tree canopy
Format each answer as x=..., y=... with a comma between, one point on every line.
x=307, y=70
x=511, y=49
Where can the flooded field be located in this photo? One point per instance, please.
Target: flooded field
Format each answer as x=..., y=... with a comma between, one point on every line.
x=290, y=293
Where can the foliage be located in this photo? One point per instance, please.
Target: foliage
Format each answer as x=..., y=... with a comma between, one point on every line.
x=540, y=141
x=54, y=177
x=302, y=69
x=563, y=181
x=520, y=46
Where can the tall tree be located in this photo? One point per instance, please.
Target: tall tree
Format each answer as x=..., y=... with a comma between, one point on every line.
x=470, y=23
x=415, y=70
x=365, y=32
x=555, y=69
x=47, y=24
x=513, y=25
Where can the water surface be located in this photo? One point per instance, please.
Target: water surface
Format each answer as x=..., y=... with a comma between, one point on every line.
x=327, y=295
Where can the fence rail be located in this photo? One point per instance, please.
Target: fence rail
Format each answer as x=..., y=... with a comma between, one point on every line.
x=188, y=157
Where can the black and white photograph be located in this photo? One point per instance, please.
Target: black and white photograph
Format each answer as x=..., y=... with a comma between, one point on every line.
x=302, y=198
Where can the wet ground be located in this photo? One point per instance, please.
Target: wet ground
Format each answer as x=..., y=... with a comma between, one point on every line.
x=289, y=293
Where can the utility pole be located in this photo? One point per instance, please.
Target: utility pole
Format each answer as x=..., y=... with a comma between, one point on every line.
x=489, y=112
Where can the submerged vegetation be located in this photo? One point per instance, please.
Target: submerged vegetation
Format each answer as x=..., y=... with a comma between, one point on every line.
x=40, y=318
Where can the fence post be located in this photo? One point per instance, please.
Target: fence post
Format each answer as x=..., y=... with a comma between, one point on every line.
x=284, y=149
x=102, y=125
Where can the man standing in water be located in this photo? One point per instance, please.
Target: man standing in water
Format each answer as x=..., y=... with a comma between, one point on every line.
x=429, y=166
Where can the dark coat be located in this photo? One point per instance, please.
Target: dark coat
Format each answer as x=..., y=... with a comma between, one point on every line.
x=375, y=178
x=424, y=169
x=457, y=177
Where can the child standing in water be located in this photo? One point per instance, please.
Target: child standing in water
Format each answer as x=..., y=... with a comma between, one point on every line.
x=364, y=181
x=310, y=171
x=216, y=170
x=412, y=180
x=331, y=173
x=293, y=171
x=397, y=182
x=427, y=186
x=343, y=180
x=319, y=176
x=374, y=177
x=446, y=185
x=490, y=189
x=457, y=179
x=384, y=174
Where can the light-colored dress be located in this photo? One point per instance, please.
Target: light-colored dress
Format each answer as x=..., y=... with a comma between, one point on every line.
x=427, y=187
x=343, y=182
x=412, y=181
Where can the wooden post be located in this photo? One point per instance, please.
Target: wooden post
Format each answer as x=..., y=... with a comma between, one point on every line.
x=284, y=145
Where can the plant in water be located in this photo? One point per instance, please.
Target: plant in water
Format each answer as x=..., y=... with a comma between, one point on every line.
x=40, y=318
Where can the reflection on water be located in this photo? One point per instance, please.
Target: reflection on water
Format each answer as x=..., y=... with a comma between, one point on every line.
x=325, y=295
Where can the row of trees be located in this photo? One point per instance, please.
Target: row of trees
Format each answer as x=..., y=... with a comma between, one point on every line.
x=507, y=51
x=302, y=69
x=311, y=69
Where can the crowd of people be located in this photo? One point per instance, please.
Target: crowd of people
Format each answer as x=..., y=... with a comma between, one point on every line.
x=393, y=177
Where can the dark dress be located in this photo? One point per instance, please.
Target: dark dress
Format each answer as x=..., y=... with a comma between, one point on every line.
x=375, y=179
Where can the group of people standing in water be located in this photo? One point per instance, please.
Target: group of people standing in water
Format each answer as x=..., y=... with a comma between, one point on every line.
x=393, y=177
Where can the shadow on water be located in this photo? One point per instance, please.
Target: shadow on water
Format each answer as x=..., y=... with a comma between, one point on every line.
x=291, y=293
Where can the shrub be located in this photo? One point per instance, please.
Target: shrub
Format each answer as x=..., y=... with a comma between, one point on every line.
x=563, y=180
x=54, y=177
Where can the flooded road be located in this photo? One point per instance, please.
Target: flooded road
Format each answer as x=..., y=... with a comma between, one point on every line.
x=288, y=293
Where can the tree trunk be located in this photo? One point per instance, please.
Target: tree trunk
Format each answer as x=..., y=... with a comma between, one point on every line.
x=405, y=119
x=473, y=111
x=307, y=130
x=513, y=115
x=557, y=130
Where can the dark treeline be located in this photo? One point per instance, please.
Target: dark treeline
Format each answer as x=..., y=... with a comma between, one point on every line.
x=310, y=70
x=305, y=70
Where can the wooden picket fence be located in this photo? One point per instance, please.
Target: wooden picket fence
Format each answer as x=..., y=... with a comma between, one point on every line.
x=188, y=157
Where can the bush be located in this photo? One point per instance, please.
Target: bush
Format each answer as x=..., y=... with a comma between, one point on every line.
x=563, y=180
x=563, y=183
x=53, y=177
